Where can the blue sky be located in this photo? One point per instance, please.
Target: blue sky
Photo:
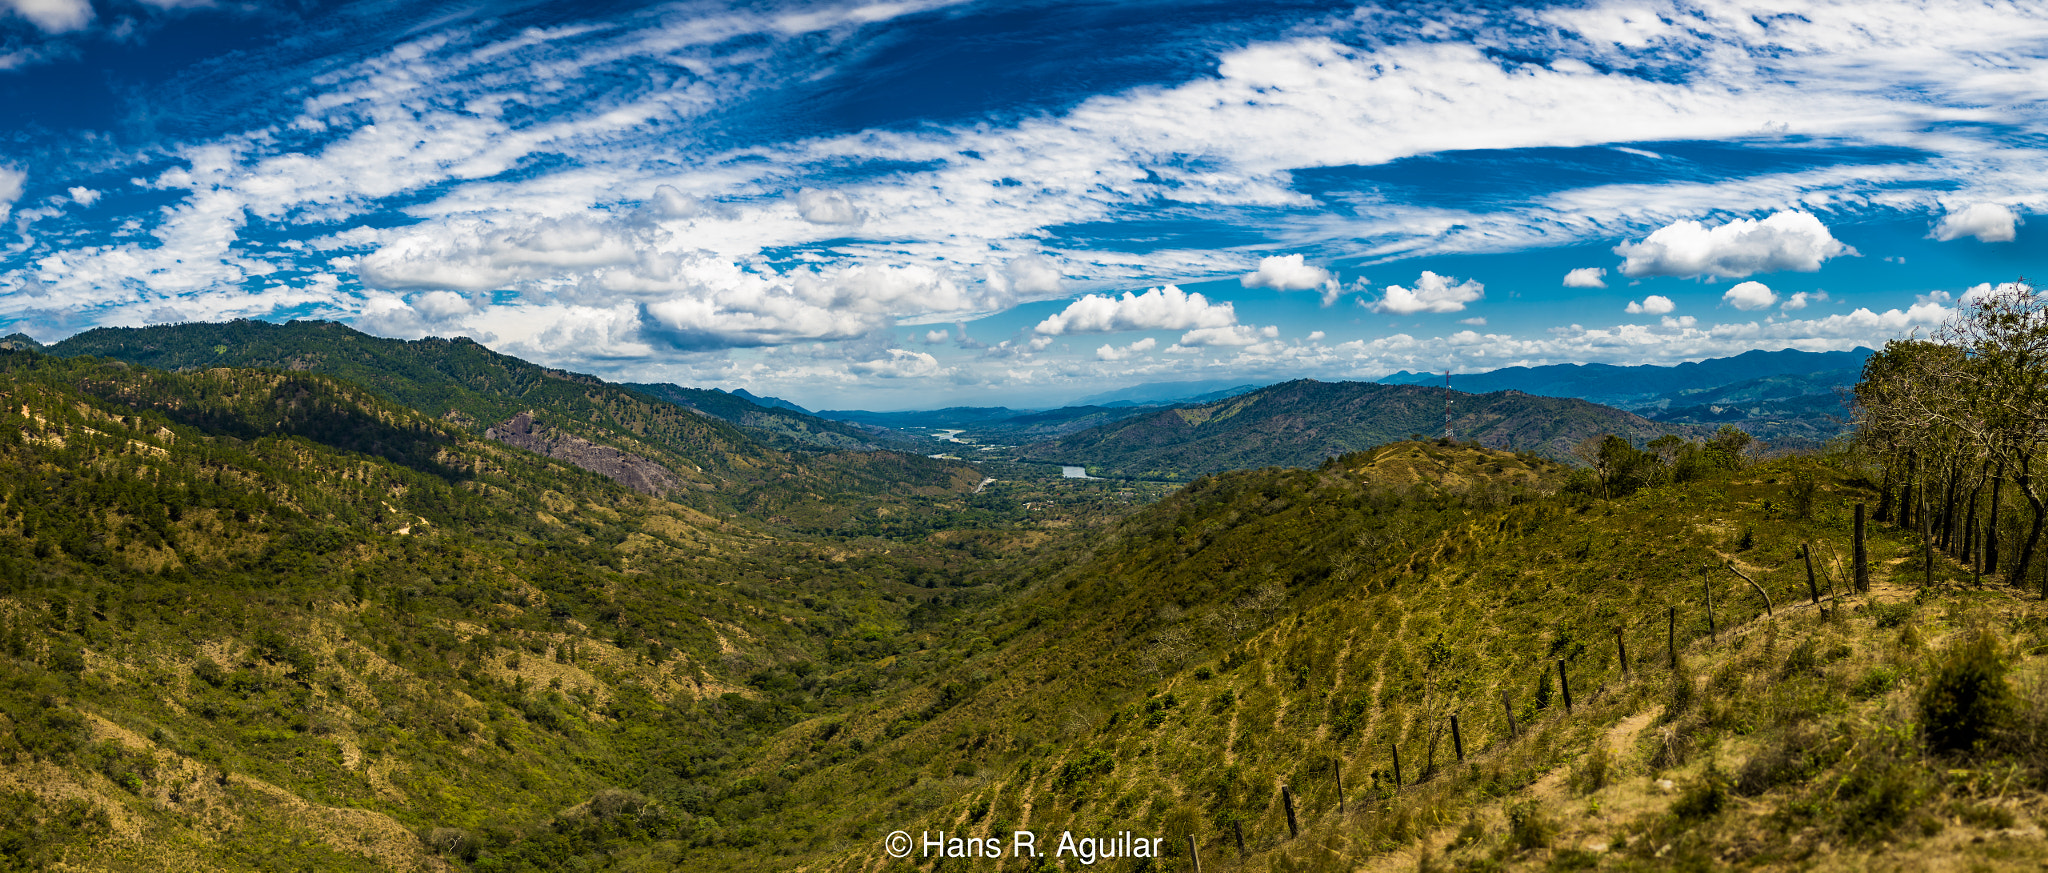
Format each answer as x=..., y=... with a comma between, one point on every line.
x=923, y=203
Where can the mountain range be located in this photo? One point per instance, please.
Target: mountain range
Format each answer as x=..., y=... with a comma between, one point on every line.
x=1304, y=422
x=373, y=605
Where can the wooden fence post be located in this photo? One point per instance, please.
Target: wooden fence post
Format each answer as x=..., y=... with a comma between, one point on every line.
x=1621, y=647
x=1708, y=586
x=1457, y=738
x=1862, y=555
x=1564, y=684
x=1812, y=587
x=1507, y=705
x=1671, y=636
x=1194, y=856
x=1237, y=826
x=1397, y=764
x=1287, y=799
x=1337, y=764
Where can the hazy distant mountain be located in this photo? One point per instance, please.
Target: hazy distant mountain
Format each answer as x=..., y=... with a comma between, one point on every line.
x=780, y=422
x=1789, y=410
x=1633, y=385
x=1166, y=393
x=1298, y=424
x=952, y=416
x=771, y=402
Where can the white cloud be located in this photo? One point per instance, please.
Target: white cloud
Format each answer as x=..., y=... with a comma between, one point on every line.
x=1802, y=299
x=1655, y=304
x=1233, y=335
x=1286, y=273
x=82, y=195
x=1586, y=277
x=1432, y=293
x=1166, y=308
x=825, y=207
x=1032, y=275
x=52, y=16
x=1475, y=321
x=1114, y=353
x=1988, y=222
x=935, y=337
x=11, y=181
x=1750, y=295
x=1682, y=322
x=670, y=202
x=1739, y=248
x=1316, y=336
x=900, y=364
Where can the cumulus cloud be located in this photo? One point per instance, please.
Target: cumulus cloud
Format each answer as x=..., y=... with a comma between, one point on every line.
x=1802, y=299
x=82, y=195
x=934, y=337
x=1750, y=295
x=670, y=202
x=825, y=207
x=1031, y=275
x=1988, y=222
x=1165, y=308
x=1655, y=304
x=1475, y=321
x=1286, y=273
x=1231, y=336
x=1432, y=293
x=1740, y=248
x=1586, y=277
x=900, y=364
x=11, y=181
x=1115, y=353
x=52, y=16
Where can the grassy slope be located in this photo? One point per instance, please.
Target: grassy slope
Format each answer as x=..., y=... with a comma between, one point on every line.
x=1263, y=629
x=473, y=387
x=1298, y=424
x=256, y=620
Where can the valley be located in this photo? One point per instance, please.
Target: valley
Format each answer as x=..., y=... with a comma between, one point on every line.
x=343, y=603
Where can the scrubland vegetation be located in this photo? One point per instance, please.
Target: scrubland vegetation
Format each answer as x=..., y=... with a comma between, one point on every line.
x=265, y=619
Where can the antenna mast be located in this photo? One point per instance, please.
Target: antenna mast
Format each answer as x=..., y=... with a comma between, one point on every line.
x=1447, y=404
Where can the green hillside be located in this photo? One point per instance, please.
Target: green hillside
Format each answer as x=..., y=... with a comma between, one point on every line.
x=1278, y=629
x=1301, y=423
x=258, y=619
x=697, y=458
x=262, y=620
x=780, y=427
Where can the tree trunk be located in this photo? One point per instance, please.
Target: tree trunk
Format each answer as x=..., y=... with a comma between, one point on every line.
x=1884, y=496
x=1948, y=509
x=1970, y=520
x=1991, y=536
x=2019, y=573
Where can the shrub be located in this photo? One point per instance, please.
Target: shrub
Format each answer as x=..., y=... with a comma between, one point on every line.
x=1968, y=699
x=1529, y=827
x=1704, y=798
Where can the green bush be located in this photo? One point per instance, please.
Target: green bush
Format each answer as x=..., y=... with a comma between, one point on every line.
x=1968, y=699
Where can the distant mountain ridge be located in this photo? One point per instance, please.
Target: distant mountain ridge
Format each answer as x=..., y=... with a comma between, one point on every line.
x=1618, y=385
x=708, y=461
x=1301, y=423
x=1167, y=393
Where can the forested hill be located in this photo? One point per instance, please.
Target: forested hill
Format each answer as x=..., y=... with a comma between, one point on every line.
x=781, y=426
x=701, y=459
x=268, y=620
x=1301, y=423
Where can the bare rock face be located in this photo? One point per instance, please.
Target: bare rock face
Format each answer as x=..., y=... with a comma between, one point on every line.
x=630, y=470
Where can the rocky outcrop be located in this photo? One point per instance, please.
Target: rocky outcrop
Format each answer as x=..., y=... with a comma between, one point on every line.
x=625, y=468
